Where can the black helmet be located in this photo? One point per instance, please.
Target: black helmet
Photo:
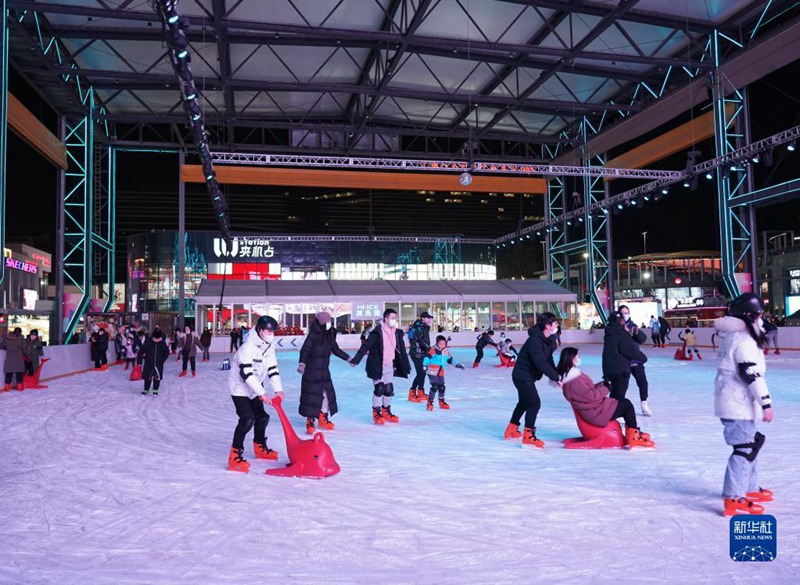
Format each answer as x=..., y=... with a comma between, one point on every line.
x=266, y=322
x=746, y=304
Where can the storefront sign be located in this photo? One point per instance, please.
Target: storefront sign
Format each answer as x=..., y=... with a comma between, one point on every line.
x=243, y=247
x=20, y=265
x=367, y=311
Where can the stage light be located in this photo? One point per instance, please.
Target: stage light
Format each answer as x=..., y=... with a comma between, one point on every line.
x=209, y=177
x=569, y=222
x=756, y=159
x=686, y=183
x=183, y=54
x=538, y=233
x=709, y=175
x=195, y=117
x=190, y=97
x=620, y=206
x=664, y=190
x=173, y=19
x=528, y=236
x=646, y=197
x=604, y=210
x=580, y=219
x=791, y=146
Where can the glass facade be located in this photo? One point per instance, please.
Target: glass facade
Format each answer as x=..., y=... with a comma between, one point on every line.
x=153, y=279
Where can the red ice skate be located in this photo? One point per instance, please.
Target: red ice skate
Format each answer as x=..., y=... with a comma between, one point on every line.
x=734, y=506
x=324, y=422
x=263, y=452
x=236, y=462
x=761, y=495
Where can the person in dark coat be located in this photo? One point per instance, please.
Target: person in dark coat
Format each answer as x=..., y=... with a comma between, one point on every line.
x=663, y=333
x=317, y=394
x=365, y=333
x=484, y=339
x=637, y=368
x=33, y=351
x=387, y=359
x=619, y=349
x=188, y=346
x=419, y=346
x=14, y=344
x=153, y=354
x=205, y=343
x=99, y=341
x=234, y=339
x=535, y=360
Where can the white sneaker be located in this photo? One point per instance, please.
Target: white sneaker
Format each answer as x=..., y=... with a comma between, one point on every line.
x=646, y=409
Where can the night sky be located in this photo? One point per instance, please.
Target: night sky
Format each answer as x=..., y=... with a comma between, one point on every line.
x=147, y=197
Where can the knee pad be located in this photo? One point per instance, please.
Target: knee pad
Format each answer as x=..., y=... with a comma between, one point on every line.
x=380, y=388
x=754, y=447
x=388, y=390
x=246, y=422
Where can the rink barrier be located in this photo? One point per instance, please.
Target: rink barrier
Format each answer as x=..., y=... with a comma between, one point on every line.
x=66, y=360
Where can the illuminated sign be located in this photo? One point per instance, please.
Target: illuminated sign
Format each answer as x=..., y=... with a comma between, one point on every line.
x=20, y=265
x=243, y=247
x=43, y=259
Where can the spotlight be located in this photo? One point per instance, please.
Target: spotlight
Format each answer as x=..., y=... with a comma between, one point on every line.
x=182, y=54
x=664, y=190
x=580, y=219
x=709, y=175
x=646, y=197
x=791, y=146
x=569, y=222
x=538, y=233
x=528, y=236
x=512, y=242
x=190, y=97
x=604, y=210
x=173, y=19
x=756, y=159
x=620, y=206
x=686, y=183
x=465, y=179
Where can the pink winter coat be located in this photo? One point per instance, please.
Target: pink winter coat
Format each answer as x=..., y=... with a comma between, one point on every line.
x=589, y=399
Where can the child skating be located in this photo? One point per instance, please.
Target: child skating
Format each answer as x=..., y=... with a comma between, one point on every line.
x=690, y=340
x=434, y=364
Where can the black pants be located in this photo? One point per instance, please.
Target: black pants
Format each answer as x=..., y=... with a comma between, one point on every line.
x=188, y=359
x=251, y=416
x=479, y=355
x=618, y=384
x=437, y=386
x=206, y=353
x=154, y=378
x=29, y=368
x=626, y=410
x=12, y=374
x=419, y=379
x=529, y=402
x=663, y=335
x=234, y=343
x=641, y=380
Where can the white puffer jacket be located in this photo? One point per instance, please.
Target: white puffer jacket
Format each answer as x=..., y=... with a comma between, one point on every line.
x=740, y=391
x=253, y=363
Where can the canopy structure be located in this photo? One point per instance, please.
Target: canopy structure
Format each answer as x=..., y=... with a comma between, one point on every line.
x=293, y=291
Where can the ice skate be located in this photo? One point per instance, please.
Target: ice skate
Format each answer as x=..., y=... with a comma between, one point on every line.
x=182, y=374
x=735, y=505
x=263, y=452
x=310, y=427
x=377, y=415
x=476, y=364
x=761, y=495
x=412, y=395
x=194, y=373
x=104, y=368
x=635, y=439
x=512, y=431
x=387, y=414
x=155, y=392
x=766, y=351
x=646, y=409
x=428, y=405
x=324, y=422
x=443, y=405
x=699, y=357
x=145, y=392
x=529, y=439
x=236, y=462
x=777, y=352
x=421, y=396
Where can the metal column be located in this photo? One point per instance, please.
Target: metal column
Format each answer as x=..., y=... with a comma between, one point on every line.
x=57, y=331
x=3, y=129
x=181, y=276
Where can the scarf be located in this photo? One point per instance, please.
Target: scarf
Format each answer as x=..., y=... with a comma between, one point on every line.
x=389, y=343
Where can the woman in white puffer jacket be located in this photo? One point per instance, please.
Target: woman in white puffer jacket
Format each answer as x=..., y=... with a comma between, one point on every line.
x=740, y=397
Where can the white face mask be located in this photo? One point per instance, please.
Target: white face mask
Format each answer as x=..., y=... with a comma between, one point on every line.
x=760, y=323
x=392, y=322
x=327, y=326
x=267, y=336
x=577, y=361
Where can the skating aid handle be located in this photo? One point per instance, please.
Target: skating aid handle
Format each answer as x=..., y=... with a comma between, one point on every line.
x=288, y=431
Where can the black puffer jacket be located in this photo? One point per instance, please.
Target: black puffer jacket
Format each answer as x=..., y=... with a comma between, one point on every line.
x=420, y=339
x=485, y=340
x=316, y=355
x=536, y=357
x=619, y=350
x=154, y=353
x=374, y=345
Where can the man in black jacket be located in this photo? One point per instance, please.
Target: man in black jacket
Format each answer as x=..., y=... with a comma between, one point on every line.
x=619, y=348
x=419, y=346
x=484, y=340
x=637, y=367
x=535, y=359
x=383, y=364
x=154, y=353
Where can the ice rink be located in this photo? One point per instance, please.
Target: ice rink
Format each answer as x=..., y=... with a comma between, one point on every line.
x=100, y=485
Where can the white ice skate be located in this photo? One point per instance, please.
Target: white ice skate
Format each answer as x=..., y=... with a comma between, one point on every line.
x=646, y=409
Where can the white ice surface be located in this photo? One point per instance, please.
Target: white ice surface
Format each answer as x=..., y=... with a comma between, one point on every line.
x=100, y=485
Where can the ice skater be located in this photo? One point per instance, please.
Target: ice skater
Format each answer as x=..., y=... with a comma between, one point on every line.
x=619, y=349
x=33, y=352
x=152, y=355
x=637, y=367
x=689, y=340
x=254, y=362
x=592, y=403
x=317, y=394
x=188, y=344
x=14, y=365
x=484, y=339
x=506, y=351
x=534, y=361
x=655, y=331
x=434, y=363
x=387, y=358
x=740, y=397
x=771, y=331
x=419, y=337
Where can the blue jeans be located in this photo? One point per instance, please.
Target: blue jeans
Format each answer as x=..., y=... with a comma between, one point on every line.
x=740, y=475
